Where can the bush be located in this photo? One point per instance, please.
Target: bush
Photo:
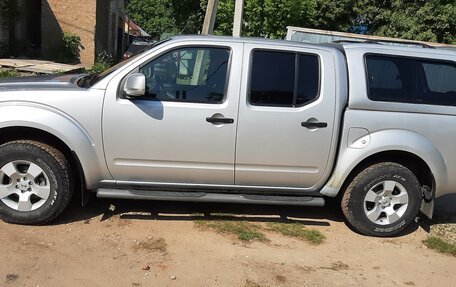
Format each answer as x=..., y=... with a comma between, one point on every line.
x=8, y=74
x=103, y=61
x=69, y=50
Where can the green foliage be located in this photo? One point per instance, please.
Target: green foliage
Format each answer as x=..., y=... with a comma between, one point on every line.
x=433, y=20
x=8, y=74
x=265, y=18
x=442, y=246
x=154, y=16
x=72, y=45
x=297, y=230
x=245, y=231
x=69, y=49
x=269, y=18
x=163, y=16
x=98, y=67
x=337, y=15
x=151, y=245
x=103, y=61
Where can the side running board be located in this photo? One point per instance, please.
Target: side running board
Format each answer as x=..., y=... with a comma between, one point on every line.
x=209, y=197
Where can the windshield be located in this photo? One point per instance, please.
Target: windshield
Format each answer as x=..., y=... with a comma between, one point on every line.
x=94, y=78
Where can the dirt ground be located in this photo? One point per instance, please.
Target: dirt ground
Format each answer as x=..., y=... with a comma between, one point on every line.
x=101, y=245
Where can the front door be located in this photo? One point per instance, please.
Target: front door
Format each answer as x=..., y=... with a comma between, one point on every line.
x=183, y=129
x=286, y=118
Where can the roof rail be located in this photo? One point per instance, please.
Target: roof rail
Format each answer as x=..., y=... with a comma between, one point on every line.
x=416, y=43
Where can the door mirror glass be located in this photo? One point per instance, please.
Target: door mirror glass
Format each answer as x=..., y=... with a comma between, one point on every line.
x=135, y=85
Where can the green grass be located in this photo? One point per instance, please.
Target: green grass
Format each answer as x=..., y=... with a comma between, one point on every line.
x=440, y=245
x=296, y=230
x=152, y=245
x=8, y=73
x=98, y=67
x=245, y=231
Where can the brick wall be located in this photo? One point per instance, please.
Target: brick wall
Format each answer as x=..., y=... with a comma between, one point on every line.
x=75, y=16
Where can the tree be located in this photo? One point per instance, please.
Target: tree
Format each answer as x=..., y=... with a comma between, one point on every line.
x=432, y=20
x=154, y=16
x=340, y=15
x=265, y=18
x=188, y=15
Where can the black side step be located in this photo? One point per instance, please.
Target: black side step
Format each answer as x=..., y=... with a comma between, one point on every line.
x=209, y=197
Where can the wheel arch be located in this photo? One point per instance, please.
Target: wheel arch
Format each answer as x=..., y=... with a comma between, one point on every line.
x=407, y=148
x=8, y=134
x=407, y=159
x=23, y=120
x=404, y=147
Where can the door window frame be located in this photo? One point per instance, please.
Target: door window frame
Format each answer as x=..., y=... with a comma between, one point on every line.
x=296, y=67
x=191, y=46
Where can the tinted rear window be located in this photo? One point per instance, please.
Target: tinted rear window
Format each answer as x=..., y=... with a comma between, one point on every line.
x=411, y=80
x=283, y=79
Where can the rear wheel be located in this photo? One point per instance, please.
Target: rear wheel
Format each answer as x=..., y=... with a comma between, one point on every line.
x=382, y=200
x=34, y=182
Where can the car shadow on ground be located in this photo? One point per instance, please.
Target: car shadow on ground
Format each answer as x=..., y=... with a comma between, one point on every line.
x=445, y=212
x=190, y=211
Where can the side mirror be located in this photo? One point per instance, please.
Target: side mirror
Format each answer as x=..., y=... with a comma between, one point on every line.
x=135, y=85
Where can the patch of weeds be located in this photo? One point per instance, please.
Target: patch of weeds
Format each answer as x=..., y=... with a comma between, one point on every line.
x=103, y=61
x=298, y=231
x=9, y=74
x=152, y=245
x=98, y=67
x=68, y=49
x=245, y=231
x=440, y=245
x=337, y=266
x=250, y=283
x=11, y=277
x=445, y=231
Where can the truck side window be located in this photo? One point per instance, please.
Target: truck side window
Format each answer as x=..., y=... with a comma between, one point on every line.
x=283, y=79
x=440, y=77
x=411, y=80
x=197, y=75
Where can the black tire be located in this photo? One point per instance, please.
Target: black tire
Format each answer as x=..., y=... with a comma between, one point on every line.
x=54, y=166
x=356, y=209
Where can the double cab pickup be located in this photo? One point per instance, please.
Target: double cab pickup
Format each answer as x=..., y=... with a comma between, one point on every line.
x=221, y=119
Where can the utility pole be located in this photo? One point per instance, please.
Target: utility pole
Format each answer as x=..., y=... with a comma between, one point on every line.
x=237, y=22
x=209, y=18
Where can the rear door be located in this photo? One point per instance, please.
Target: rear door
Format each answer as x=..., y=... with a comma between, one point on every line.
x=286, y=117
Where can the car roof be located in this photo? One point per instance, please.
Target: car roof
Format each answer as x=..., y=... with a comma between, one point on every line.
x=343, y=45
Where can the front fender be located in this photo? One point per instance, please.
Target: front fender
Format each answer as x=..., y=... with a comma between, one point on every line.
x=61, y=125
x=382, y=141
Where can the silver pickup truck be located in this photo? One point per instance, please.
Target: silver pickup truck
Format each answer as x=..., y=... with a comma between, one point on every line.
x=218, y=119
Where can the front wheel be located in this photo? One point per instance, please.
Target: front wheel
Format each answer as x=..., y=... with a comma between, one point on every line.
x=382, y=200
x=34, y=182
